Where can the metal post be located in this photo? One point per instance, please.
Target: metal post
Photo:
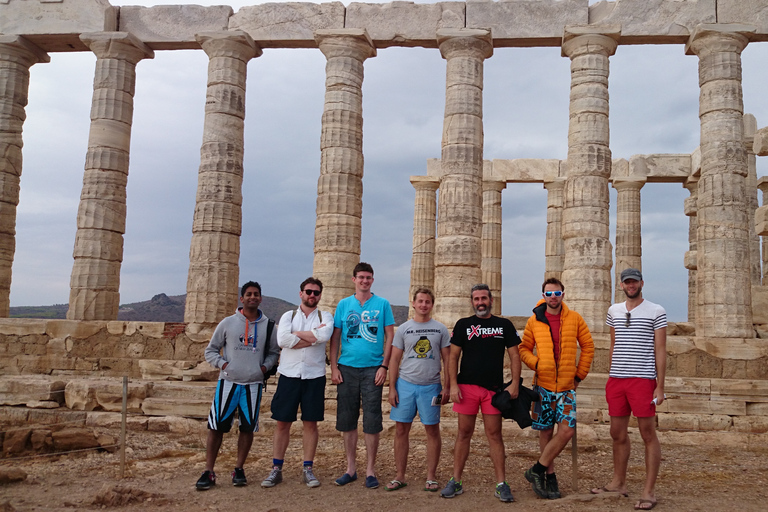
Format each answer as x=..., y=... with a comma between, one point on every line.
x=575, y=461
x=122, y=427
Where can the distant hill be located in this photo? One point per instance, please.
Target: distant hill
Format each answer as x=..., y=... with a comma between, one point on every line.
x=164, y=308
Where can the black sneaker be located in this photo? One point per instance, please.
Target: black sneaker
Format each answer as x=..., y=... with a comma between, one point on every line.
x=553, y=490
x=238, y=478
x=538, y=482
x=206, y=481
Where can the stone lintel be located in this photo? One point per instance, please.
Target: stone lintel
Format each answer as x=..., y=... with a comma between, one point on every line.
x=525, y=170
x=753, y=12
x=25, y=45
x=117, y=45
x=288, y=24
x=761, y=220
x=173, y=27
x=707, y=29
x=425, y=182
x=760, y=144
x=667, y=168
x=405, y=23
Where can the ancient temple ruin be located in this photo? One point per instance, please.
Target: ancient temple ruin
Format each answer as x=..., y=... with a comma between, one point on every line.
x=457, y=222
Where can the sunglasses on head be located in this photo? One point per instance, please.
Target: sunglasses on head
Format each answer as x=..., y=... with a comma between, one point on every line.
x=555, y=293
x=312, y=292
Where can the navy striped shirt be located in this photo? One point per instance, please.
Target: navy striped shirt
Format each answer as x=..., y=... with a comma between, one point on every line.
x=633, y=349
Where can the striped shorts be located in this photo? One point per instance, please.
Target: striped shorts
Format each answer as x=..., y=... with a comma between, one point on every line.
x=231, y=397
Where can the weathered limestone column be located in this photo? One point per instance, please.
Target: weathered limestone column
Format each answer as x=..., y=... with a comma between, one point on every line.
x=554, y=249
x=340, y=187
x=691, y=255
x=724, y=281
x=491, y=240
x=750, y=127
x=95, y=284
x=762, y=184
x=458, y=253
x=214, y=252
x=587, y=266
x=17, y=55
x=629, y=239
x=424, y=217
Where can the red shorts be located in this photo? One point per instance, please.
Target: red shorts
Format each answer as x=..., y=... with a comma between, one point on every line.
x=475, y=397
x=625, y=396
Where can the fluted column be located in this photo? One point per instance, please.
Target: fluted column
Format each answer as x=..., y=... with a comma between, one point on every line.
x=17, y=55
x=629, y=239
x=458, y=253
x=214, y=251
x=491, y=240
x=587, y=265
x=724, y=281
x=424, y=216
x=338, y=226
x=95, y=284
x=554, y=249
x=762, y=184
x=691, y=255
x=750, y=127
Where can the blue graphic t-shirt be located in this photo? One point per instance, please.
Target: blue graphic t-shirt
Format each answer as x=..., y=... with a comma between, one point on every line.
x=362, y=330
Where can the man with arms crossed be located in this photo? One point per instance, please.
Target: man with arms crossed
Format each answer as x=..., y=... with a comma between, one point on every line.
x=302, y=334
x=241, y=347
x=636, y=382
x=421, y=344
x=556, y=332
x=481, y=341
x=364, y=327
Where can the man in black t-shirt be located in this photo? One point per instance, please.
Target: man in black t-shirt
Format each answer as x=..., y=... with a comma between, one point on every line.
x=481, y=341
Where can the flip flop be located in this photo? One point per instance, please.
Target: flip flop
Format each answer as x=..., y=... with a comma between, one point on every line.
x=640, y=503
x=604, y=490
x=429, y=486
x=394, y=485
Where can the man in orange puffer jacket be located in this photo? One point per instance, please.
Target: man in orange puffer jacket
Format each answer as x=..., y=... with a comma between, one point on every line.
x=556, y=332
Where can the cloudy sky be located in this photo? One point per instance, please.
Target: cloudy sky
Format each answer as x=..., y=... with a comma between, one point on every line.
x=654, y=109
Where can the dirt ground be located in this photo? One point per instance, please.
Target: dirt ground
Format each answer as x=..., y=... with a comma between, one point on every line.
x=700, y=471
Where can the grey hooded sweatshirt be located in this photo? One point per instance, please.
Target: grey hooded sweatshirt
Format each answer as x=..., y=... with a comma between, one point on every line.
x=244, y=360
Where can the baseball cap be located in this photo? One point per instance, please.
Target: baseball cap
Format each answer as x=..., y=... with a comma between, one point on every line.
x=631, y=273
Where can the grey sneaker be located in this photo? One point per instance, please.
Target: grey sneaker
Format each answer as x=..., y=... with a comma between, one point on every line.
x=274, y=478
x=452, y=488
x=504, y=493
x=309, y=478
x=538, y=482
x=553, y=489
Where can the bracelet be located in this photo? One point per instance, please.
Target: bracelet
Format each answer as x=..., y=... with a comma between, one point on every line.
x=383, y=366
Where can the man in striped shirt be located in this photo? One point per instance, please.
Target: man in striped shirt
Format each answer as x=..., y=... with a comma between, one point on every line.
x=636, y=382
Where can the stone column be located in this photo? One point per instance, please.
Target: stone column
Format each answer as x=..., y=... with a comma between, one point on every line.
x=214, y=253
x=424, y=216
x=762, y=184
x=723, y=265
x=491, y=240
x=587, y=265
x=554, y=249
x=629, y=239
x=95, y=284
x=458, y=253
x=750, y=127
x=691, y=255
x=17, y=55
x=340, y=186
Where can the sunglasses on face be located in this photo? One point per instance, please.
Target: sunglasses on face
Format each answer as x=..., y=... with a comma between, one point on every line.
x=556, y=293
x=312, y=292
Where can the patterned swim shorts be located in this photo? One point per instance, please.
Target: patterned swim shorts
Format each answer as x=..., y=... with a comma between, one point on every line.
x=554, y=408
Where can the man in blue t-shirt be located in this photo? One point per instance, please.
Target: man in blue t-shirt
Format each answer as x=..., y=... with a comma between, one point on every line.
x=364, y=327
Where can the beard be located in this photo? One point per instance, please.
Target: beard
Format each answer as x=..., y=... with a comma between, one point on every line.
x=634, y=295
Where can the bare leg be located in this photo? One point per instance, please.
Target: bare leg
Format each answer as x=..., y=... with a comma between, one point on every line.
x=621, y=447
x=461, y=450
x=545, y=436
x=401, y=448
x=652, y=455
x=244, y=442
x=212, y=446
x=492, y=424
x=350, y=448
x=372, y=449
x=280, y=439
x=434, y=445
x=555, y=446
x=309, y=441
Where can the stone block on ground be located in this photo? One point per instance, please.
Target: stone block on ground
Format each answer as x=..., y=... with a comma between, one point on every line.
x=160, y=369
x=171, y=407
x=16, y=440
x=176, y=425
x=753, y=424
x=184, y=391
x=73, y=438
x=114, y=420
x=21, y=389
x=202, y=372
x=9, y=475
x=107, y=395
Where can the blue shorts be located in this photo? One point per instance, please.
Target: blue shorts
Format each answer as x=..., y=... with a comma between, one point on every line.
x=413, y=397
x=554, y=408
x=231, y=397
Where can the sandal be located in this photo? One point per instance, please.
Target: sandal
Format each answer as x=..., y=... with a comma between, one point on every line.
x=645, y=505
x=605, y=490
x=394, y=485
x=432, y=486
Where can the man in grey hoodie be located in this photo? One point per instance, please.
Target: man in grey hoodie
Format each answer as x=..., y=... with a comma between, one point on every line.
x=244, y=351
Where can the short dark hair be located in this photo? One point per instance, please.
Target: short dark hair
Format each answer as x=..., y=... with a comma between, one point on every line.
x=425, y=291
x=250, y=284
x=362, y=267
x=552, y=280
x=481, y=287
x=311, y=280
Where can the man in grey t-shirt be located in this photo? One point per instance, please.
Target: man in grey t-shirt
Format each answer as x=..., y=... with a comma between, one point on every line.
x=422, y=345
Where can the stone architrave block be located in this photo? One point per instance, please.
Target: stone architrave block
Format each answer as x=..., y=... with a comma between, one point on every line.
x=526, y=170
x=761, y=222
x=56, y=26
x=527, y=22
x=654, y=21
x=619, y=168
x=734, y=348
x=667, y=168
x=72, y=328
x=23, y=389
x=89, y=395
x=288, y=24
x=760, y=144
x=22, y=326
x=405, y=23
x=747, y=12
x=173, y=27
x=760, y=302
x=160, y=369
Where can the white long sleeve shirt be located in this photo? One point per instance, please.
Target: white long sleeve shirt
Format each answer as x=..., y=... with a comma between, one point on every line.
x=307, y=362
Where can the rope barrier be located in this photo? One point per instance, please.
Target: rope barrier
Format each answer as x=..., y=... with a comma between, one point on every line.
x=56, y=454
